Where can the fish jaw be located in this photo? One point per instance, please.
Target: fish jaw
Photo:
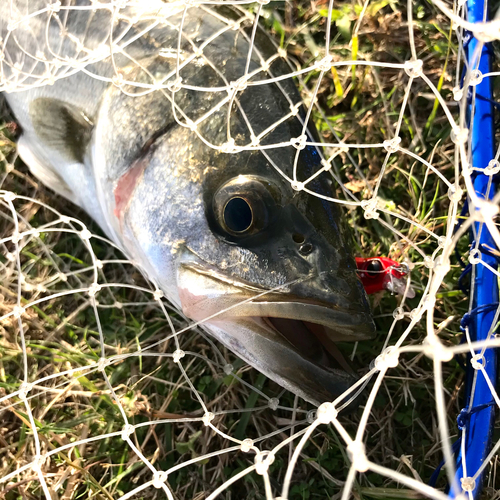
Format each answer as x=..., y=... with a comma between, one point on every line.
x=257, y=344
x=289, y=338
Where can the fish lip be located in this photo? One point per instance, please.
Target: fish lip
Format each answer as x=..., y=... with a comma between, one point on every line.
x=247, y=300
x=345, y=325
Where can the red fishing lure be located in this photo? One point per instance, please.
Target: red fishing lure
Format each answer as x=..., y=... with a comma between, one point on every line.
x=382, y=273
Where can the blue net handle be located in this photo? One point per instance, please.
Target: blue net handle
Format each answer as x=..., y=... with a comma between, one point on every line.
x=478, y=417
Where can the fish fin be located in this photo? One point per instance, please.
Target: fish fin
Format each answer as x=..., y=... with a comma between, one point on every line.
x=62, y=127
x=43, y=172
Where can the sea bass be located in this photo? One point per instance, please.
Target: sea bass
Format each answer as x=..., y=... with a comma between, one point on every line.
x=158, y=120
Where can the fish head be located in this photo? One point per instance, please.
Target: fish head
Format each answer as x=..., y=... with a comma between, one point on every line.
x=276, y=281
x=265, y=268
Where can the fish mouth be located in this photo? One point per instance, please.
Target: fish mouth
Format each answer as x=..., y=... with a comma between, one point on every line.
x=292, y=340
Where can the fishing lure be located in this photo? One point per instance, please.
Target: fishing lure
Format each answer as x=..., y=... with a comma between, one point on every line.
x=381, y=273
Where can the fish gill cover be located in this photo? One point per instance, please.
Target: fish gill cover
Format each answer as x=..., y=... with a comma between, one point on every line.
x=192, y=324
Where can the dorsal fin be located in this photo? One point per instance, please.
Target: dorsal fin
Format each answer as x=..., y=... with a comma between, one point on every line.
x=62, y=127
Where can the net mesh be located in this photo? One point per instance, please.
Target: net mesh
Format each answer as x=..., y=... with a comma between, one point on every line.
x=106, y=389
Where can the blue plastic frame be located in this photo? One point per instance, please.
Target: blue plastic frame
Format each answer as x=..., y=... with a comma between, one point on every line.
x=478, y=416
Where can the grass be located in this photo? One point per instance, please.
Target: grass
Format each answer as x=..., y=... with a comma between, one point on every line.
x=361, y=105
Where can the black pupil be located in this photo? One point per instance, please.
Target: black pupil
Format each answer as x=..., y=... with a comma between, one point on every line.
x=237, y=215
x=374, y=267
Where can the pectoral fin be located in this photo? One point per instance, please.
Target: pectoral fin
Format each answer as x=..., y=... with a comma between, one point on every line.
x=62, y=127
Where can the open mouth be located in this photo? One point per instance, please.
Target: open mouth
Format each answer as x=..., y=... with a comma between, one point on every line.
x=313, y=341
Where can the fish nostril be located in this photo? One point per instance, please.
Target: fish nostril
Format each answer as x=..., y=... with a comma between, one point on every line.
x=306, y=249
x=298, y=238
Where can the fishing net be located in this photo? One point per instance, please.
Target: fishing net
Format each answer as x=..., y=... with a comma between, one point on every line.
x=108, y=391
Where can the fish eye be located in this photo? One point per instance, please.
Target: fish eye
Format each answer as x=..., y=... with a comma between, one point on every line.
x=374, y=268
x=238, y=215
x=243, y=206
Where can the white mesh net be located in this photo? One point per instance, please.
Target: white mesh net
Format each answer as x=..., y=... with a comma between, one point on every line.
x=107, y=390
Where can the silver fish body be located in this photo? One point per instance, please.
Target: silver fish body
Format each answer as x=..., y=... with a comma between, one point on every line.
x=266, y=268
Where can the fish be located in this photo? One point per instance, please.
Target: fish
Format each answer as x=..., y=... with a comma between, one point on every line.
x=159, y=121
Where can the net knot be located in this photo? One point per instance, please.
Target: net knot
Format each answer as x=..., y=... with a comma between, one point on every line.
x=159, y=478
x=326, y=164
x=443, y=241
x=459, y=135
x=229, y=147
x=120, y=4
x=299, y=142
x=191, y=125
x=102, y=363
x=36, y=464
x=297, y=186
x=388, y=359
x=239, y=85
x=477, y=361
x=158, y=294
x=127, y=431
x=429, y=262
x=468, y=483
x=311, y=416
x=492, y=168
x=455, y=193
x=246, y=445
x=118, y=80
x=294, y=109
x=175, y=85
x=326, y=413
x=9, y=196
x=474, y=256
x=370, y=208
x=93, y=289
x=357, y=455
x=85, y=234
x=15, y=237
x=18, y=311
x=273, y=403
x=24, y=388
x=392, y=145
x=207, y=418
x=326, y=63
x=476, y=77
x=254, y=140
x=263, y=460
x=54, y=7
x=178, y=355
x=414, y=67
x=398, y=313
x=228, y=369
